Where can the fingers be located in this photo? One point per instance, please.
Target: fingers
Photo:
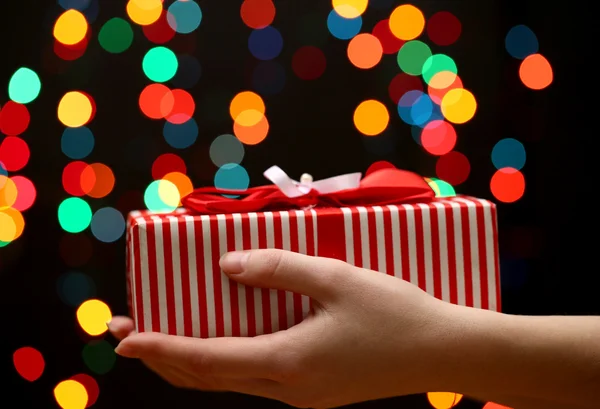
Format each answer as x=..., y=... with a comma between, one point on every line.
x=284, y=270
x=121, y=327
x=217, y=357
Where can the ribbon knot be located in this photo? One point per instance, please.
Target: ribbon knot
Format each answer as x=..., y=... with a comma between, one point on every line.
x=381, y=187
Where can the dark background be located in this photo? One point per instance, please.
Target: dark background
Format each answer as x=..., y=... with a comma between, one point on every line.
x=546, y=239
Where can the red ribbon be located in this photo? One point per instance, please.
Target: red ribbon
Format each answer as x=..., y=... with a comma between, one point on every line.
x=379, y=188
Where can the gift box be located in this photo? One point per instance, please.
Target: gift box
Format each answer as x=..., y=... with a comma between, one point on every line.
x=389, y=221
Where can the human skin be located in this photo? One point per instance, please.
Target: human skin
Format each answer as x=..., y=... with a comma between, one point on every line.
x=372, y=336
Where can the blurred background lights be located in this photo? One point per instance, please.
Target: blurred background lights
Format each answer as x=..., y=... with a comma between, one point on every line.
x=74, y=215
x=508, y=185
x=160, y=64
x=438, y=64
x=226, y=149
x=453, y=167
x=492, y=405
x=536, y=72
x=438, y=87
x=108, y=225
x=14, y=118
x=12, y=224
x=159, y=31
x=77, y=143
x=257, y=14
x=115, y=36
x=266, y=43
x=97, y=180
x=232, y=176
x=365, y=51
x=74, y=288
x=343, y=28
x=184, y=16
x=80, y=5
x=181, y=136
x=144, y=12
x=71, y=27
x=91, y=387
x=246, y=101
x=412, y=57
x=75, y=109
x=178, y=107
x=521, y=42
x=24, y=86
x=350, y=8
x=389, y=42
x=415, y=108
x=269, y=77
x=14, y=153
x=167, y=163
x=401, y=84
x=443, y=28
x=438, y=137
x=161, y=196
x=25, y=193
x=188, y=72
x=93, y=315
x=29, y=363
x=181, y=181
x=8, y=192
x=151, y=101
x=371, y=118
x=407, y=22
x=441, y=187
x=71, y=394
x=509, y=153
x=309, y=63
x=459, y=106
x=444, y=400
x=99, y=356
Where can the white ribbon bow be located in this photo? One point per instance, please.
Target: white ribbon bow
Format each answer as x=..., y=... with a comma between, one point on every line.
x=292, y=188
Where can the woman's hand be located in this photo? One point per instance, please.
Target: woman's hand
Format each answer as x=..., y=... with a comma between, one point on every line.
x=369, y=336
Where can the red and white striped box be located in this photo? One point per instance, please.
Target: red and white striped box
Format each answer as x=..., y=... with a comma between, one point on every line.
x=448, y=247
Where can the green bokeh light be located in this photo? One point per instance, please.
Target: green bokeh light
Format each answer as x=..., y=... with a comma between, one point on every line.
x=99, y=357
x=412, y=57
x=24, y=86
x=445, y=189
x=438, y=63
x=4, y=243
x=153, y=200
x=160, y=64
x=115, y=36
x=74, y=215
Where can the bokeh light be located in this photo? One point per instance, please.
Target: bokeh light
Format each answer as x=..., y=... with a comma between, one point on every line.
x=178, y=107
x=521, y=42
x=12, y=224
x=184, y=16
x=71, y=394
x=14, y=118
x=26, y=193
x=444, y=28
x=77, y=143
x=444, y=400
x=371, y=117
x=492, y=405
x=74, y=288
x=266, y=43
x=75, y=109
x=412, y=57
x=97, y=180
x=226, y=149
x=441, y=187
x=8, y=192
x=99, y=356
x=29, y=363
x=160, y=64
x=350, y=8
x=159, y=32
x=24, y=86
x=401, y=84
x=162, y=196
x=71, y=27
x=182, y=182
x=459, y=106
x=509, y=153
x=91, y=387
x=115, y=36
x=415, y=108
x=151, y=100
x=453, y=167
x=437, y=88
x=365, y=51
x=436, y=65
x=167, y=163
x=389, y=42
x=232, y=176
x=309, y=63
x=14, y=153
x=536, y=72
x=93, y=315
x=108, y=225
x=246, y=101
x=407, y=22
x=508, y=185
x=144, y=12
x=257, y=14
x=438, y=137
x=269, y=77
x=74, y=215
x=343, y=28
x=181, y=136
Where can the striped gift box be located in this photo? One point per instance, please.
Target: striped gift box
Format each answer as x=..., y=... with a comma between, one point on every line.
x=447, y=247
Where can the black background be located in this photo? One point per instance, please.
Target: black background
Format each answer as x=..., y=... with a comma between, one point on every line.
x=546, y=239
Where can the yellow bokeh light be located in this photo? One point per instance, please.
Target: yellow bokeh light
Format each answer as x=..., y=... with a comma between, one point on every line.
x=168, y=193
x=71, y=395
x=433, y=187
x=181, y=181
x=371, y=117
x=247, y=101
x=12, y=224
x=350, y=8
x=8, y=192
x=74, y=109
x=444, y=400
x=93, y=315
x=144, y=12
x=442, y=79
x=459, y=106
x=407, y=22
x=70, y=28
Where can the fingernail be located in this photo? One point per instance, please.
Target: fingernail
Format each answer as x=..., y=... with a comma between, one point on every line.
x=234, y=262
x=125, y=351
x=110, y=326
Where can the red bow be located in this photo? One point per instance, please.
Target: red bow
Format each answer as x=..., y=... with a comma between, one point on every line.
x=381, y=187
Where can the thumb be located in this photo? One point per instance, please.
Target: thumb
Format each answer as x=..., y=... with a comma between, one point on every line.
x=315, y=277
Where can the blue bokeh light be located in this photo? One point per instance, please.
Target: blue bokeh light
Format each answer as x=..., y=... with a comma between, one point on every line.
x=184, y=16
x=509, y=153
x=521, y=42
x=226, y=149
x=77, y=143
x=415, y=108
x=74, y=288
x=108, y=225
x=343, y=28
x=232, y=176
x=181, y=136
x=265, y=44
